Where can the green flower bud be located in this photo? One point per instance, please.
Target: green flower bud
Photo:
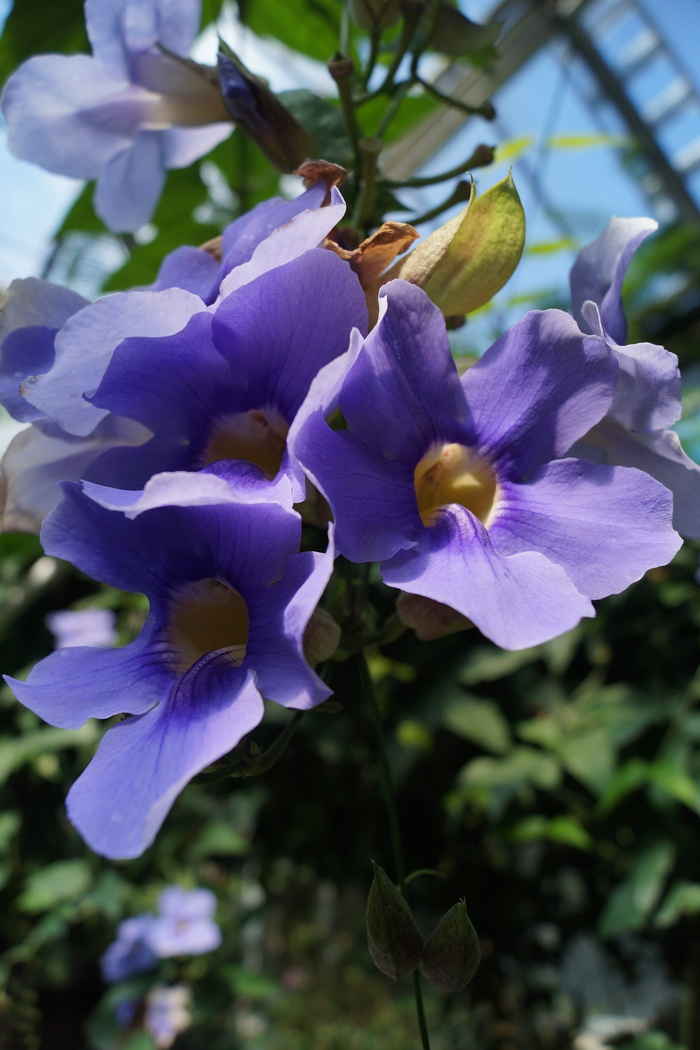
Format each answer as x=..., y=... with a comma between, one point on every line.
x=467, y=260
x=395, y=942
x=452, y=953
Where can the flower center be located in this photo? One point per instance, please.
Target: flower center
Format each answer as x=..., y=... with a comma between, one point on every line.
x=208, y=615
x=255, y=436
x=454, y=474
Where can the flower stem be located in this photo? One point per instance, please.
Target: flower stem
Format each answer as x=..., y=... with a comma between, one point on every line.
x=394, y=827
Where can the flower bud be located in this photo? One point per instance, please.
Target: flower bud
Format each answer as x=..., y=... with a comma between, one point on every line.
x=467, y=260
x=428, y=618
x=395, y=942
x=321, y=637
x=452, y=953
x=260, y=114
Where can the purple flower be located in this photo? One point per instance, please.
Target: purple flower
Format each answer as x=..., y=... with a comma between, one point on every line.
x=457, y=486
x=168, y=1013
x=131, y=952
x=126, y=114
x=230, y=597
x=230, y=383
x=82, y=627
x=635, y=431
x=185, y=924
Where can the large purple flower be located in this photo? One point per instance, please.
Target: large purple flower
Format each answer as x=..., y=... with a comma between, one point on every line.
x=636, y=430
x=126, y=114
x=230, y=597
x=457, y=486
x=59, y=348
x=230, y=383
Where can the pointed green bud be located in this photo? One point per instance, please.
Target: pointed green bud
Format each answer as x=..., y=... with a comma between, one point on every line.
x=465, y=262
x=452, y=953
x=395, y=942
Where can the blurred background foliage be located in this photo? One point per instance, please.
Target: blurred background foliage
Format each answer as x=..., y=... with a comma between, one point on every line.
x=557, y=789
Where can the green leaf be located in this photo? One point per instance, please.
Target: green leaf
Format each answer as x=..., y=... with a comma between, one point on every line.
x=494, y=782
x=683, y=898
x=563, y=829
x=9, y=826
x=16, y=751
x=480, y=721
x=58, y=883
x=631, y=903
x=490, y=664
x=324, y=122
x=42, y=26
x=314, y=31
x=587, y=141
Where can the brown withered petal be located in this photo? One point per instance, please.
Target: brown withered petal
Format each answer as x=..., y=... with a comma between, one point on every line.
x=395, y=942
x=214, y=247
x=428, y=618
x=313, y=170
x=452, y=953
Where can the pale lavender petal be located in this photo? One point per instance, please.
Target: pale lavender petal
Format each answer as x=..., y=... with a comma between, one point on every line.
x=660, y=454
x=31, y=302
x=71, y=627
x=516, y=601
x=81, y=682
x=183, y=905
x=183, y=146
x=303, y=231
x=193, y=489
x=39, y=457
x=604, y=525
x=539, y=389
x=244, y=234
x=85, y=345
x=120, y=28
x=190, y=268
x=648, y=392
x=130, y=184
x=47, y=104
x=142, y=764
x=599, y=271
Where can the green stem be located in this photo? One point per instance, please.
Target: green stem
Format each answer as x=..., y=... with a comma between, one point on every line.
x=409, y=25
x=393, y=107
x=370, y=148
x=394, y=826
x=485, y=110
x=340, y=68
x=375, y=40
x=478, y=159
x=461, y=192
x=254, y=765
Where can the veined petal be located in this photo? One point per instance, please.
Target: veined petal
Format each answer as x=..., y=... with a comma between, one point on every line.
x=515, y=601
x=281, y=328
x=81, y=682
x=539, y=388
x=142, y=764
x=303, y=231
x=659, y=454
x=604, y=525
x=130, y=184
x=47, y=104
x=403, y=393
x=86, y=343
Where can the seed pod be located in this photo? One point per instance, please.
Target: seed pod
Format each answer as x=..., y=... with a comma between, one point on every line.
x=452, y=953
x=395, y=942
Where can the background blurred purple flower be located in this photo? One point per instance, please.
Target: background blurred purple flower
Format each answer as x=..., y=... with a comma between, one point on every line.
x=456, y=485
x=184, y=924
x=131, y=952
x=167, y=1013
x=82, y=627
x=126, y=114
x=230, y=597
x=636, y=430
